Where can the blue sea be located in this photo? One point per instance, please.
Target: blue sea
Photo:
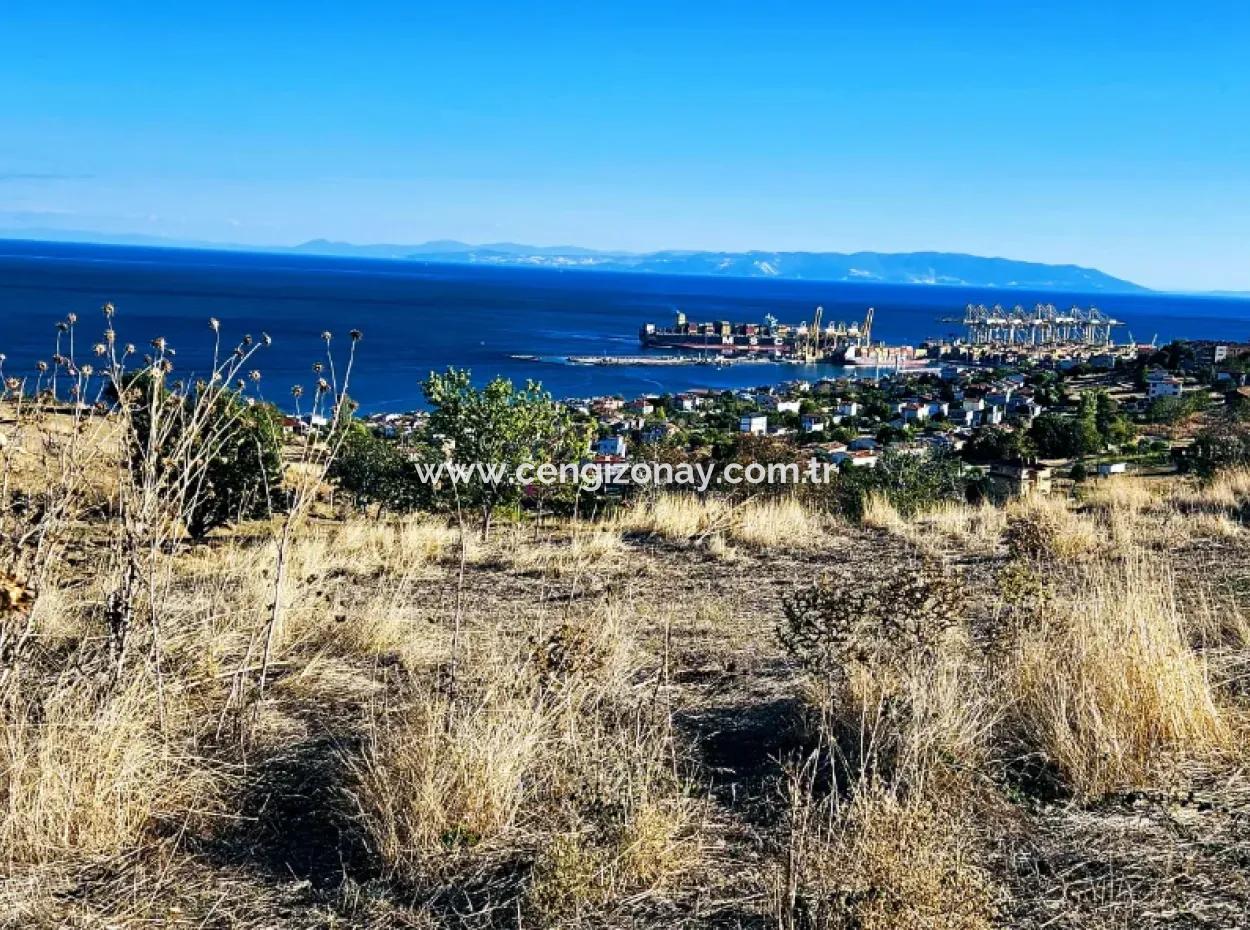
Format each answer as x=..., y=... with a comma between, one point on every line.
x=416, y=317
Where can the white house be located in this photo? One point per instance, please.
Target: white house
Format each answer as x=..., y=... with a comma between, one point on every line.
x=813, y=423
x=754, y=423
x=861, y=458
x=1107, y=469
x=613, y=445
x=1164, y=387
x=913, y=413
x=848, y=409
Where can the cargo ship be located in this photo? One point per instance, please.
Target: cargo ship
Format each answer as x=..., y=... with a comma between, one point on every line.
x=804, y=340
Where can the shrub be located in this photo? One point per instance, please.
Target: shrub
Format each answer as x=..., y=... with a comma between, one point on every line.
x=224, y=455
x=880, y=622
x=910, y=483
x=375, y=471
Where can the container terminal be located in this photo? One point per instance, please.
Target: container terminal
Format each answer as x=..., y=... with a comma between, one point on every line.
x=1041, y=332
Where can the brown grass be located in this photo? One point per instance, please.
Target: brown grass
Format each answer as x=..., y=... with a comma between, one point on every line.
x=1109, y=689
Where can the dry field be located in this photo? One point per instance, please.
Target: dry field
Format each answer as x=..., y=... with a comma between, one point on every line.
x=688, y=715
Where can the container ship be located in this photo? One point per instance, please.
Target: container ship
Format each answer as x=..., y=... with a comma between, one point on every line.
x=837, y=343
x=809, y=339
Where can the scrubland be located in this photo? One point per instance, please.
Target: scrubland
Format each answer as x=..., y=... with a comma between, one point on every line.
x=690, y=713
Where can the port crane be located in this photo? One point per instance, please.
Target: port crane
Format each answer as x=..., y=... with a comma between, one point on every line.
x=1042, y=326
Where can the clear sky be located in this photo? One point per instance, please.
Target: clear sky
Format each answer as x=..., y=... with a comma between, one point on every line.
x=1111, y=133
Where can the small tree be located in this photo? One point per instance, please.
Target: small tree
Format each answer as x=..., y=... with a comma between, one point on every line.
x=497, y=426
x=224, y=451
x=909, y=482
x=243, y=480
x=375, y=471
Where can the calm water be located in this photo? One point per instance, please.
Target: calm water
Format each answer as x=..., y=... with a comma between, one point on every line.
x=417, y=317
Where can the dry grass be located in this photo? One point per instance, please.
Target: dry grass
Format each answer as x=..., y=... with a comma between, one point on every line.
x=679, y=517
x=547, y=760
x=758, y=523
x=544, y=747
x=1046, y=527
x=768, y=523
x=88, y=774
x=1109, y=689
x=587, y=549
x=947, y=526
x=1125, y=494
x=883, y=860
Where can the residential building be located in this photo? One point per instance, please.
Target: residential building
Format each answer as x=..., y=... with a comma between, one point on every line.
x=613, y=445
x=756, y=424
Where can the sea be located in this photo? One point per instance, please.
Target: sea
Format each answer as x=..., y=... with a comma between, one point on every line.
x=417, y=317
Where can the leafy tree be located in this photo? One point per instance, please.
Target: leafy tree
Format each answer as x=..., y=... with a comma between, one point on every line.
x=1223, y=445
x=497, y=425
x=999, y=442
x=375, y=471
x=1172, y=410
x=1113, y=427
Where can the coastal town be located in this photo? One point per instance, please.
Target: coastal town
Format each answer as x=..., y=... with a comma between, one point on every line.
x=1007, y=400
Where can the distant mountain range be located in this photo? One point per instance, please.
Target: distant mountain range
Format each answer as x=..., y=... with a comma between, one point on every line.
x=872, y=267
x=935, y=268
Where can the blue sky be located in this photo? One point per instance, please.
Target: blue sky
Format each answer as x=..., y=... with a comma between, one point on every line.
x=1113, y=134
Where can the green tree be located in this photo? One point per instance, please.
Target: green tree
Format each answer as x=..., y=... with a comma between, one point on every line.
x=1000, y=442
x=1113, y=427
x=909, y=482
x=1223, y=445
x=497, y=425
x=226, y=452
x=374, y=470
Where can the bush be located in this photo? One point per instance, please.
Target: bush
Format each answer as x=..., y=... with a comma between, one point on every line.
x=910, y=483
x=375, y=471
x=226, y=453
x=875, y=623
x=1225, y=445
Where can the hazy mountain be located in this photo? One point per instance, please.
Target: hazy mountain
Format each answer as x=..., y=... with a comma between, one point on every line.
x=878, y=267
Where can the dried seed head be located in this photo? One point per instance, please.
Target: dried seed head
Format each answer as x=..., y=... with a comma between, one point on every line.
x=42, y=366
x=266, y=339
x=99, y=348
x=71, y=318
x=318, y=368
x=108, y=310
x=297, y=391
x=355, y=334
x=322, y=385
x=214, y=324
x=158, y=343
x=254, y=374
x=325, y=336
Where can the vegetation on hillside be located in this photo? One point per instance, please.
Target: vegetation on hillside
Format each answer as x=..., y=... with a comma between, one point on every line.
x=775, y=710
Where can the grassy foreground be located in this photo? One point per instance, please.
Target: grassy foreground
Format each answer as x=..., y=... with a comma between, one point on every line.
x=691, y=714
